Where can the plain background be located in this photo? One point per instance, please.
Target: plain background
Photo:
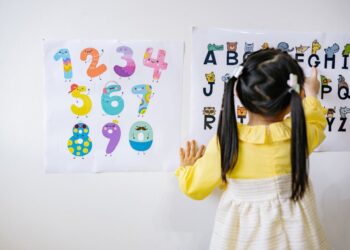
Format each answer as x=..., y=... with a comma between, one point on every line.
x=129, y=210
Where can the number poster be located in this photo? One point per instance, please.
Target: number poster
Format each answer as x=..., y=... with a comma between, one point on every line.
x=112, y=105
x=215, y=53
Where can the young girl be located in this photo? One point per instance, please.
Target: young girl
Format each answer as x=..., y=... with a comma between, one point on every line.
x=268, y=201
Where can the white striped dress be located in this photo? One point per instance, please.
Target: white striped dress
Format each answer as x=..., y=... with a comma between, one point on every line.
x=259, y=214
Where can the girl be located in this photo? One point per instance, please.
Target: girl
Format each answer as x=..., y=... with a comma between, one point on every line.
x=268, y=201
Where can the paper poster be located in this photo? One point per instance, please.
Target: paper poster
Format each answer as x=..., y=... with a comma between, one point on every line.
x=112, y=105
x=215, y=52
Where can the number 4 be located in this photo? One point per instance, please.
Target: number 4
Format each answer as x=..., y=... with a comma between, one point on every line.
x=157, y=64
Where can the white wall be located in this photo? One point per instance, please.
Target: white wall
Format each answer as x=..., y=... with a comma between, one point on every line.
x=128, y=210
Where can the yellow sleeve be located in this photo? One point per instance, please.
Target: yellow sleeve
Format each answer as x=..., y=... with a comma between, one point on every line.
x=315, y=122
x=199, y=180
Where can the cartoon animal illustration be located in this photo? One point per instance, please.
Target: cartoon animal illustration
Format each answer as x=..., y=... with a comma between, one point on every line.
x=93, y=70
x=325, y=80
x=265, y=45
x=284, y=47
x=330, y=51
x=301, y=49
x=157, y=64
x=67, y=63
x=112, y=103
x=231, y=46
x=111, y=131
x=225, y=78
x=248, y=47
x=316, y=46
x=346, y=50
x=209, y=111
x=211, y=81
x=141, y=136
x=214, y=47
x=330, y=112
x=78, y=92
x=129, y=69
x=342, y=82
x=80, y=143
x=241, y=112
x=144, y=92
x=210, y=77
x=344, y=111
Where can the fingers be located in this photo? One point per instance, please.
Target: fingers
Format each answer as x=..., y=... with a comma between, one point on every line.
x=312, y=84
x=188, y=149
x=314, y=72
x=193, y=148
x=200, y=152
x=192, y=153
x=182, y=154
x=313, y=75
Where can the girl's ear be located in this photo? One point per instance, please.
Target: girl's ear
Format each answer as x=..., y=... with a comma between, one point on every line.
x=302, y=93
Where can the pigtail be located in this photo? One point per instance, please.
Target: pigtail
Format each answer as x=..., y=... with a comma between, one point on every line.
x=227, y=130
x=299, y=148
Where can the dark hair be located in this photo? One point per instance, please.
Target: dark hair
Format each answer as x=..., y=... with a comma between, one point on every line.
x=262, y=89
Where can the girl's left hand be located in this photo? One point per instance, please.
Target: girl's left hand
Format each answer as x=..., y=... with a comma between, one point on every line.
x=189, y=156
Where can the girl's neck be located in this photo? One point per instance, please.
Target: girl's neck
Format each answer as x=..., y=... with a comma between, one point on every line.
x=256, y=119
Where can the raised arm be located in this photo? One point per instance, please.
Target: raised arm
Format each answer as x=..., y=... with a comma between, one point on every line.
x=314, y=112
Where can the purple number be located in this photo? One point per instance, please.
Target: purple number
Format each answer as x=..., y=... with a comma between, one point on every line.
x=129, y=68
x=111, y=131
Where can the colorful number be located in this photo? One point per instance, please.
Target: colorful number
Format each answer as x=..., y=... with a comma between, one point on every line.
x=111, y=131
x=144, y=91
x=67, y=63
x=93, y=70
x=112, y=104
x=157, y=64
x=129, y=69
x=80, y=143
x=141, y=136
x=78, y=92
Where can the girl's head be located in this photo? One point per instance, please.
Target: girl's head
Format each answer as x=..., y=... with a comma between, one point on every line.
x=263, y=89
x=262, y=86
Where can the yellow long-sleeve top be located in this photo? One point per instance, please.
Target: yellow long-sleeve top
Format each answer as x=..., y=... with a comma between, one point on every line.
x=264, y=152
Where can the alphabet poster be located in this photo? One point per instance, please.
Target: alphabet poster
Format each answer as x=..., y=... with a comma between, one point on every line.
x=112, y=105
x=215, y=53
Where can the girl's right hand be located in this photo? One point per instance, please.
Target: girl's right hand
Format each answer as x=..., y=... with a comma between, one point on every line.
x=312, y=84
x=189, y=156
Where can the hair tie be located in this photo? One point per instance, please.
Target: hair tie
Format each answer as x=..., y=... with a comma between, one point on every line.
x=237, y=71
x=293, y=83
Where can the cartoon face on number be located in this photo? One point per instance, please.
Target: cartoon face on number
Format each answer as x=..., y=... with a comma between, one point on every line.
x=112, y=88
x=112, y=104
x=80, y=129
x=124, y=49
x=141, y=136
x=62, y=53
x=80, y=143
x=111, y=131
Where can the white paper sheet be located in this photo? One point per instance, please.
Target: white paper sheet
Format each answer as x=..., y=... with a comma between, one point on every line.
x=112, y=105
x=229, y=45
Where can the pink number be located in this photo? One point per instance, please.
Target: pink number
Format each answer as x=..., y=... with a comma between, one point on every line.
x=157, y=64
